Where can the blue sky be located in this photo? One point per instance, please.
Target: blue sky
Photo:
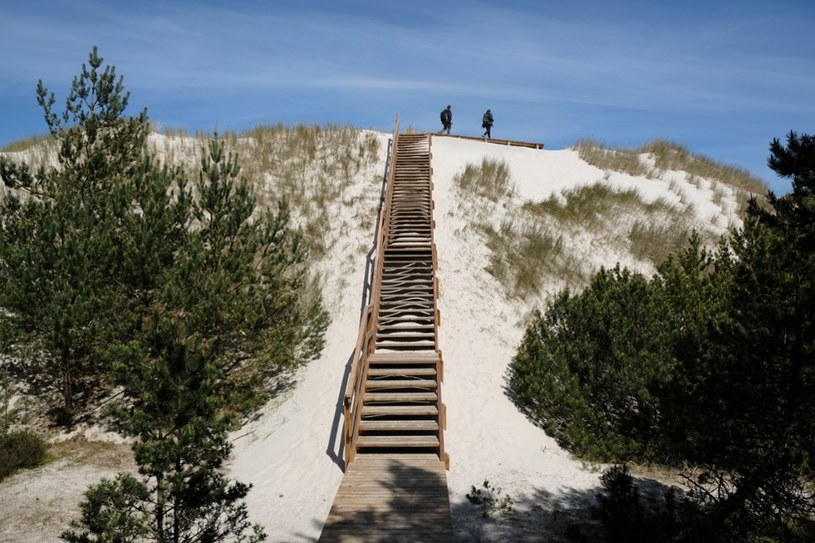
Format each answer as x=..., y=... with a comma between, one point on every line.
x=721, y=77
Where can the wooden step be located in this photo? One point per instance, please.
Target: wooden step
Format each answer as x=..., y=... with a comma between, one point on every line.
x=398, y=441
x=406, y=334
x=399, y=426
x=385, y=342
x=399, y=411
x=400, y=397
x=422, y=357
x=401, y=372
x=400, y=383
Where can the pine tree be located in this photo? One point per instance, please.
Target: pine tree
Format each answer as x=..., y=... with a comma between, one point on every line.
x=181, y=425
x=59, y=232
x=190, y=298
x=757, y=435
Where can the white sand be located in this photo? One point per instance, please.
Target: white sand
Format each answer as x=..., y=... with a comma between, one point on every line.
x=290, y=454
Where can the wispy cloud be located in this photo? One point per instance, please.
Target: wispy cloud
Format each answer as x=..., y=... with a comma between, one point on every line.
x=623, y=70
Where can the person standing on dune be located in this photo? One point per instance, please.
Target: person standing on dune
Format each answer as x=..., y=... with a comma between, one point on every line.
x=486, y=123
x=446, y=119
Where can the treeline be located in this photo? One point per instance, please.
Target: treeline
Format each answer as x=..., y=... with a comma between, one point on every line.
x=709, y=366
x=172, y=292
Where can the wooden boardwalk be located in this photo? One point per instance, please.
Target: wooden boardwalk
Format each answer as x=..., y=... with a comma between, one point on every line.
x=393, y=499
x=511, y=143
x=395, y=484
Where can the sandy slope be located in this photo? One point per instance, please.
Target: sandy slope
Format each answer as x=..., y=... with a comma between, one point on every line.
x=290, y=453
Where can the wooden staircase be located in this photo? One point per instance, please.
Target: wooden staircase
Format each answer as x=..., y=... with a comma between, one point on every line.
x=401, y=404
x=400, y=408
x=395, y=485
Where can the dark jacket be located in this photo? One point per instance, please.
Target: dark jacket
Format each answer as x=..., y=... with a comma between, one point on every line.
x=487, y=119
x=446, y=116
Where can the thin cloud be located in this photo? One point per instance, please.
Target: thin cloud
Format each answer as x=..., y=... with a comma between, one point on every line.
x=625, y=71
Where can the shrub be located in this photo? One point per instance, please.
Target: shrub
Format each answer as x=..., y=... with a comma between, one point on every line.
x=19, y=450
x=624, y=515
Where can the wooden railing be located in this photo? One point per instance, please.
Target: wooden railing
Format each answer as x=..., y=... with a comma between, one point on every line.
x=366, y=339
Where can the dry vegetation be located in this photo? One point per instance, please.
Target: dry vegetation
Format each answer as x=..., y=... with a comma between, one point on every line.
x=314, y=168
x=534, y=245
x=655, y=158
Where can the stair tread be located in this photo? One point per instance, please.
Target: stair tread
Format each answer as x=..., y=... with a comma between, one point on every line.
x=401, y=372
x=398, y=425
x=400, y=397
x=399, y=410
x=398, y=441
x=423, y=357
x=400, y=383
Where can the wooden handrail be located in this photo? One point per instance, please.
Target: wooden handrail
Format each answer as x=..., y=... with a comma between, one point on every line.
x=366, y=337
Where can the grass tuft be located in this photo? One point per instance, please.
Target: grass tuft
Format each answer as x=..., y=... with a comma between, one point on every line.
x=617, y=160
x=491, y=179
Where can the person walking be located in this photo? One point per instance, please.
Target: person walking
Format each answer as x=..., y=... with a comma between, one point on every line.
x=486, y=123
x=446, y=119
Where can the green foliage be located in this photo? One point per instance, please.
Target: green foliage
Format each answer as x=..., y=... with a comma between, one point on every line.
x=597, y=367
x=115, y=271
x=91, y=249
x=589, y=368
x=113, y=511
x=223, y=319
x=709, y=365
x=59, y=244
x=177, y=414
x=755, y=449
x=627, y=517
x=19, y=450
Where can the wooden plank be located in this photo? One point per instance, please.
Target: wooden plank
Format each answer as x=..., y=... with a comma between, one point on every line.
x=372, y=384
x=403, y=397
x=399, y=425
x=391, y=499
x=398, y=441
x=423, y=357
x=401, y=372
x=399, y=410
x=511, y=143
x=404, y=345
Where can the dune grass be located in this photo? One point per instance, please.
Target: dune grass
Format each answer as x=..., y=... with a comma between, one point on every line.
x=312, y=166
x=624, y=160
x=524, y=255
x=529, y=246
x=25, y=144
x=670, y=156
x=491, y=179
